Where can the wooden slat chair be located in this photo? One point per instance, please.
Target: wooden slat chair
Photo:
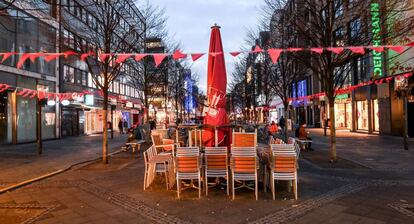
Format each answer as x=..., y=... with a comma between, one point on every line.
x=283, y=166
x=162, y=145
x=188, y=167
x=195, y=139
x=155, y=163
x=216, y=164
x=244, y=167
x=244, y=139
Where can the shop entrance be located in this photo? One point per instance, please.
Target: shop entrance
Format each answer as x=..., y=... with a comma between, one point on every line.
x=410, y=119
x=3, y=118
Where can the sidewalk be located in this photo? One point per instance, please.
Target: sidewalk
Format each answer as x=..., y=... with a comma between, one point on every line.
x=374, y=151
x=21, y=162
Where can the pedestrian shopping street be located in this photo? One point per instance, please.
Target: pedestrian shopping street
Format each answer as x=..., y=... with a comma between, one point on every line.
x=365, y=190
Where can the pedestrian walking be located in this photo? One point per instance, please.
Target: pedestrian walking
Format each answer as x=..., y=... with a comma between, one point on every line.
x=282, y=124
x=121, y=127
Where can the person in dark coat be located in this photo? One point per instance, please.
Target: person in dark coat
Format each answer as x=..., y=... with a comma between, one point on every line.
x=121, y=126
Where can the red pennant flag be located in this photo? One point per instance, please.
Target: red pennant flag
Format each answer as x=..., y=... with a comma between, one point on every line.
x=178, y=55
x=196, y=56
x=257, y=49
x=33, y=94
x=294, y=49
x=389, y=79
x=397, y=49
x=411, y=44
x=408, y=75
x=158, y=58
x=51, y=56
x=377, y=49
x=7, y=55
x=22, y=59
x=234, y=54
x=41, y=95
x=86, y=55
x=68, y=53
x=104, y=56
x=33, y=56
x=317, y=50
x=274, y=54
x=357, y=50
x=120, y=58
x=336, y=50
x=138, y=57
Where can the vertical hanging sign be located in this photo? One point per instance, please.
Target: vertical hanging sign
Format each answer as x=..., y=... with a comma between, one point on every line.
x=376, y=36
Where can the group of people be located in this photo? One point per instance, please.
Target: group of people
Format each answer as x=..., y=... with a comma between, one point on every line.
x=300, y=131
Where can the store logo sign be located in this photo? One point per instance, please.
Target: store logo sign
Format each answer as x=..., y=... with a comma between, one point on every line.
x=376, y=32
x=89, y=100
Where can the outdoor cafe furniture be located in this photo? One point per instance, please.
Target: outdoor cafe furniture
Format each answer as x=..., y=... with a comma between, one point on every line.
x=195, y=138
x=188, y=167
x=158, y=163
x=244, y=139
x=164, y=146
x=216, y=164
x=244, y=167
x=283, y=166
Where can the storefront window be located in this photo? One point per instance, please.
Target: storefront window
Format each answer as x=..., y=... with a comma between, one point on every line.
x=376, y=115
x=362, y=115
x=26, y=119
x=5, y=118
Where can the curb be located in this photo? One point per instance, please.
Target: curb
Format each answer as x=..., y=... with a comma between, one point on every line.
x=47, y=175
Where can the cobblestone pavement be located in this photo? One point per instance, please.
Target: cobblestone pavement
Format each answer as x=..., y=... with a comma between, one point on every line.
x=98, y=193
x=21, y=162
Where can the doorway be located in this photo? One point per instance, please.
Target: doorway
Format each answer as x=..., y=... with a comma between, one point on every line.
x=410, y=119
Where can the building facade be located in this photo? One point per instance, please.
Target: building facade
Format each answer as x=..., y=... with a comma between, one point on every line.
x=41, y=26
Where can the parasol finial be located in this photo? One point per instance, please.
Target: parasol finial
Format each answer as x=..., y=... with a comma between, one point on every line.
x=216, y=26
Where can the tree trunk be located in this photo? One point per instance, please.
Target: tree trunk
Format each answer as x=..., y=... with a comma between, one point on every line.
x=105, y=127
x=332, y=138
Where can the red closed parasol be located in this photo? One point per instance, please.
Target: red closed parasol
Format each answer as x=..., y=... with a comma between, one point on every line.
x=216, y=92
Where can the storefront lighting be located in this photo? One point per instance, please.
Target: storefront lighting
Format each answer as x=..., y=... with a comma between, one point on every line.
x=51, y=103
x=65, y=102
x=376, y=32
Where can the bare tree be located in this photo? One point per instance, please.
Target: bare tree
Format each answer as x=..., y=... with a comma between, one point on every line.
x=335, y=23
x=110, y=37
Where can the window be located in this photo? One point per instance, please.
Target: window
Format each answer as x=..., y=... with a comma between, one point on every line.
x=68, y=74
x=339, y=8
x=84, y=78
x=339, y=36
x=355, y=28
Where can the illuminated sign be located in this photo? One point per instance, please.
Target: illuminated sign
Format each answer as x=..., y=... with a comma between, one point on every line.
x=342, y=96
x=129, y=104
x=89, y=100
x=376, y=36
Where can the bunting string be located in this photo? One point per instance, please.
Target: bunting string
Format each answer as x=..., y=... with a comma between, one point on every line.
x=274, y=53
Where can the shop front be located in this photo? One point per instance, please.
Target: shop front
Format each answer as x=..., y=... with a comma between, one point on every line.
x=343, y=111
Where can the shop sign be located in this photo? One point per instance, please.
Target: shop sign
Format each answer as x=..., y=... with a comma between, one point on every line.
x=113, y=101
x=137, y=106
x=376, y=33
x=77, y=97
x=400, y=82
x=134, y=112
x=341, y=97
x=89, y=100
x=129, y=105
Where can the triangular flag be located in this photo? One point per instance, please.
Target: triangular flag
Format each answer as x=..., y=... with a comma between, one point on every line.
x=158, y=58
x=41, y=95
x=294, y=49
x=22, y=59
x=377, y=49
x=51, y=56
x=397, y=49
x=33, y=56
x=336, y=50
x=68, y=53
x=274, y=54
x=104, y=56
x=7, y=55
x=85, y=55
x=357, y=50
x=234, y=54
x=257, y=49
x=317, y=50
x=410, y=44
x=178, y=55
x=138, y=57
x=196, y=56
x=120, y=58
